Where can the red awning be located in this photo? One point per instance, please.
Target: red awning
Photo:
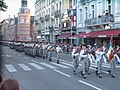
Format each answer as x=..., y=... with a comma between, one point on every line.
x=64, y=36
x=106, y=33
x=80, y=34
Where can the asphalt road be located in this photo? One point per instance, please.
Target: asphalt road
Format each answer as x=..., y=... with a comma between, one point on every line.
x=40, y=74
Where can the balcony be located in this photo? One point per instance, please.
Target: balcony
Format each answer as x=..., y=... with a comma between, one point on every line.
x=100, y=20
x=47, y=17
x=73, y=13
x=57, y=13
x=41, y=19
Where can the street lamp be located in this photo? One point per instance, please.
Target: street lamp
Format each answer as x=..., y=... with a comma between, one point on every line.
x=71, y=13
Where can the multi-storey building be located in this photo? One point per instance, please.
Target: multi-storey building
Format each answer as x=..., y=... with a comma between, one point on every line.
x=20, y=28
x=24, y=32
x=98, y=20
x=47, y=18
x=50, y=18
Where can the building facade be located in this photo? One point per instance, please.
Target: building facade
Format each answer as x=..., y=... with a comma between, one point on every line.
x=53, y=19
x=97, y=19
x=20, y=28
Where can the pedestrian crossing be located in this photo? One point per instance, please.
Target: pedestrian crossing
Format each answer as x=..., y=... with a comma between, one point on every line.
x=43, y=65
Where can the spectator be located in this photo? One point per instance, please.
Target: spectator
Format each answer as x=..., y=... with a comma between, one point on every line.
x=107, y=12
x=1, y=79
x=10, y=84
x=103, y=13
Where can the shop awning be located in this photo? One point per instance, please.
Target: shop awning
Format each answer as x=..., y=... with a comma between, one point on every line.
x=80, y=34
x=106, y=33
x=64, y=36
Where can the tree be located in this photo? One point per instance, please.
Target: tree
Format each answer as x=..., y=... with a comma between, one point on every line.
x=3, y=6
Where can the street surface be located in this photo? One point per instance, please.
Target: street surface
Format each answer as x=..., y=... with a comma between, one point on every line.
x=40, y=74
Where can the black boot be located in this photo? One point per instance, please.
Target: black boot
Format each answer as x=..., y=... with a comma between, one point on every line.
x=43, y=57
x=109, y=72
x=82, y=73
x=113, y=75
x=96, y=72
x=84, y=76
x=58, y=62
x=50, y=59
x=74, y=72
x=99, y=75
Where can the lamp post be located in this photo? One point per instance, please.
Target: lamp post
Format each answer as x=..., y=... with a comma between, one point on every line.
x=71, y=22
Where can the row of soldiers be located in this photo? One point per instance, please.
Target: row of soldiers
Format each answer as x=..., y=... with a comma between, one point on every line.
x=43, y=49
x=87, y=55
x=84, y=54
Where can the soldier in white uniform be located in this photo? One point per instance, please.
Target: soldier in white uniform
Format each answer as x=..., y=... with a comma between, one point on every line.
x=75, y=59
x=58, y=50
x=111, y=60
x=43, y=48
x=50, y=51
x=99, y=55
x=83, y=57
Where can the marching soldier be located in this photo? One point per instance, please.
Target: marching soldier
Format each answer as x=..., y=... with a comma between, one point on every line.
x=50, y=52
x=83, y=57
x=99, y=55
x=58, y=50
x=46, y=49
x=43, y=49
x=112, y=62
x=75, y=59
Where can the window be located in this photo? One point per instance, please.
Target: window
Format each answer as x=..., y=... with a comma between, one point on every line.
x=60, y=6
x=109, y=6
x=86, y=12
x=21, y=19
x=21, y=29
x=93, y=12
x=80, y=15
x=64, y=25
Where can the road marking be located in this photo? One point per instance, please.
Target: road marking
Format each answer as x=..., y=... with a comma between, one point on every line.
x=26, y=57
x=36, y=66
x=34, y=61
x=67, y=64
x=14, y=53
x=18, y=54
x=8, y=55
x=10, y=68
x=59, y=65
x=90, y=85
x=62, y=73
x=23, y=66
x=48, y=65
x=2, y=55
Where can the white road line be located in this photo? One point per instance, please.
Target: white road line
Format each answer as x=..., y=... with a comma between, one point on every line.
x=66, y=61
x=36, y=66
x=34, y=61
x=8, y=55
x=24, y=67
x=62, y=73
x=59, y=65
x=10, y=68
x=90, y=85
x=18, y=54
x=67, y=64
x=48, y=65
x=14, y=53
x=26, y=57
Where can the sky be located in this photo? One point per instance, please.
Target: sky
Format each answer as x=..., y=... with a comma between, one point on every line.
x=13, y=8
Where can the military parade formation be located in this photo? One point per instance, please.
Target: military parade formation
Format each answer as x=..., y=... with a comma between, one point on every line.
x=84, y=54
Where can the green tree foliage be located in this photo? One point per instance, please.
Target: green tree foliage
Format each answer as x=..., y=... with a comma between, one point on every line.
x=3, y=6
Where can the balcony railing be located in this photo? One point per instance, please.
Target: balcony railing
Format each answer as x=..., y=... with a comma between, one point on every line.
x=47, y=17
x=99, y=20
x=41, y=19
x=57, y=13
